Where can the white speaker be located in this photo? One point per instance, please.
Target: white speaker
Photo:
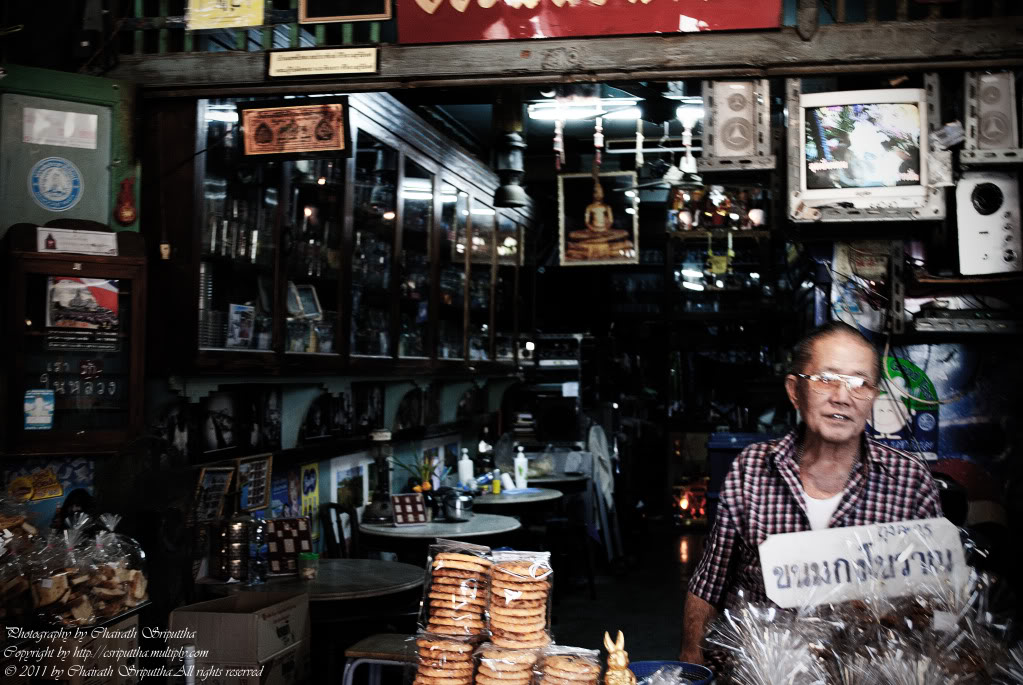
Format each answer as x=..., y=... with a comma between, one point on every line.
x=989, y=222
x=995, y=100
x=735, y=128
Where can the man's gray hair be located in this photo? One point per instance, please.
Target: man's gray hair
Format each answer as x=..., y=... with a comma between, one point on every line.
x=803, y=351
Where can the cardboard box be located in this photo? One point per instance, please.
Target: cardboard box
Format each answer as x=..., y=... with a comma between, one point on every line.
x=245, y=628
x=290, y=667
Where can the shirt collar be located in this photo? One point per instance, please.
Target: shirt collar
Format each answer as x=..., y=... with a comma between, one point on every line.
x=787, y=448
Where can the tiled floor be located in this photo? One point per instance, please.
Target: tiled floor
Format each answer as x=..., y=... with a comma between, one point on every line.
x=645, y=602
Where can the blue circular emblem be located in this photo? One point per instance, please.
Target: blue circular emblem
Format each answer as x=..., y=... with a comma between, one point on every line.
x=55, y=184
x=925, y=422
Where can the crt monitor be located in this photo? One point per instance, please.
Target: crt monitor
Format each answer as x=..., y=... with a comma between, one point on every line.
x=864, y=148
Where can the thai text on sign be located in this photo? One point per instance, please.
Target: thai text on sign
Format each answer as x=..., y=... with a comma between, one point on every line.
x=841, y=564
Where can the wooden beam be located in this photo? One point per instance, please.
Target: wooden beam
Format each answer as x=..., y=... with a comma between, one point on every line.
x=925, y=43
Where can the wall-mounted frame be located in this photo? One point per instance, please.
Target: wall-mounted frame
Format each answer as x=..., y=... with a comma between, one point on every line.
x=254, y=482
x=323, y=11
x=310, y=302
x=296, y=129
x=211, y=491
x=598, y=223
x=294, y=302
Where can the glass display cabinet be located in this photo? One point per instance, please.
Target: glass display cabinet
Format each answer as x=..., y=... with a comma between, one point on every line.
x=386, y=257
x=73, y=346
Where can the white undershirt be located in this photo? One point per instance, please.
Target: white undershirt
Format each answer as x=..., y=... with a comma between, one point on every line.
x=819, y=511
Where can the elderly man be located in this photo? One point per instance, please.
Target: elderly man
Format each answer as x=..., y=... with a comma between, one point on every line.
x=826, y=473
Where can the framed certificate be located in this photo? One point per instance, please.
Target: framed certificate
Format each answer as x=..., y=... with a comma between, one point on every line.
x=211, y=491
x=254, y=482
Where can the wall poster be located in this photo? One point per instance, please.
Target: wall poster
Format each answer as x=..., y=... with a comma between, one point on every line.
x=81, y=313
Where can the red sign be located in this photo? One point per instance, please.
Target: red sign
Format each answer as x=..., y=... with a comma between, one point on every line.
x=449, y=21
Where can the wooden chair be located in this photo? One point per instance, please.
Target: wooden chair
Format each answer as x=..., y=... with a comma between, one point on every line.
x=338, y=546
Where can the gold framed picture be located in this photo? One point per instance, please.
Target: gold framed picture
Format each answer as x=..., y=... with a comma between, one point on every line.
x=598, y=218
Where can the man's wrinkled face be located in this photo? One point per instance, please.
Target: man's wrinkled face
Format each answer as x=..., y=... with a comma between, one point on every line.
x=831, y=414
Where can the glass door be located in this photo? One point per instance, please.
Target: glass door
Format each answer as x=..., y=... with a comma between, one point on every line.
x=454, y=220
x=414, y=286
x=509, y=250
x=240, y=198
x=311, y=239
x=481, y=222
x=374, y=216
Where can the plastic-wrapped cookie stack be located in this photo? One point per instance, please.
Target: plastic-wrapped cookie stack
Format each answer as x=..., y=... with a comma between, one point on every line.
x=499, y=666
x=568, y=665
x=519, y=600
x=456, y=593
x=453, y=615
x=443, y=660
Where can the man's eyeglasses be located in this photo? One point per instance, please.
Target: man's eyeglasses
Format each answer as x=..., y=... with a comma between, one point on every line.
x=825, y=383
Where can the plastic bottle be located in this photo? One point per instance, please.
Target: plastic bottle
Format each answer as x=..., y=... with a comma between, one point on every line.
x=521, y=468
x=496, y=485
x=465, y=469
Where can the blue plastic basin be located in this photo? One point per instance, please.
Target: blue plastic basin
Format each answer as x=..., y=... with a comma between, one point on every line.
x=700, y=675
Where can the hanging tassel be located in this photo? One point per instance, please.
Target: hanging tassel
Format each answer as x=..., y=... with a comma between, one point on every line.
x=598, y=140
x=559, y=144
x=639, y=143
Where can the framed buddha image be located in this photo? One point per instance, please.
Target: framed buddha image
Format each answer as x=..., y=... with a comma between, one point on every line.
x=598, y=218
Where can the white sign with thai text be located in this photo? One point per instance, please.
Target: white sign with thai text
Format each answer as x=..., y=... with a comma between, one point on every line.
x=321, y=62
x=78, y=242
x=841, y=564
x=53, y=127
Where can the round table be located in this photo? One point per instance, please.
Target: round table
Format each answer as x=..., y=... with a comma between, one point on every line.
x=559, y=478
x=531, y=496
x=478, y=525
x=345, y=579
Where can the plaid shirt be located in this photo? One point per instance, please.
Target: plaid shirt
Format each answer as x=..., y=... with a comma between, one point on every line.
x=762, y=495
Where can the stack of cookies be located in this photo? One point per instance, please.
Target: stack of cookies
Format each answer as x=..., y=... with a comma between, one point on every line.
x=505, y=666
x=443, y=662
x=568, y=669
x=457, y=594
x=519, y=591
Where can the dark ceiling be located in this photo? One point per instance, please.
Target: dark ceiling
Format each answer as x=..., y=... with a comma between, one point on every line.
x=466, y=115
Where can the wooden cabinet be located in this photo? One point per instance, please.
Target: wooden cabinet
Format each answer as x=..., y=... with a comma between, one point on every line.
x=72, y=346
x=393, y=257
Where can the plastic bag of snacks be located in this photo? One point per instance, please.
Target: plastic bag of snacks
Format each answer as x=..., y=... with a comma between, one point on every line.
x=14, y=520
x=500, y=666
x=443, y=660
x=666, y=675
x=519, y=600
x=15, y=594
x=455, y=591
x=120, y=562
x=61, y=574
x=559, y=664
